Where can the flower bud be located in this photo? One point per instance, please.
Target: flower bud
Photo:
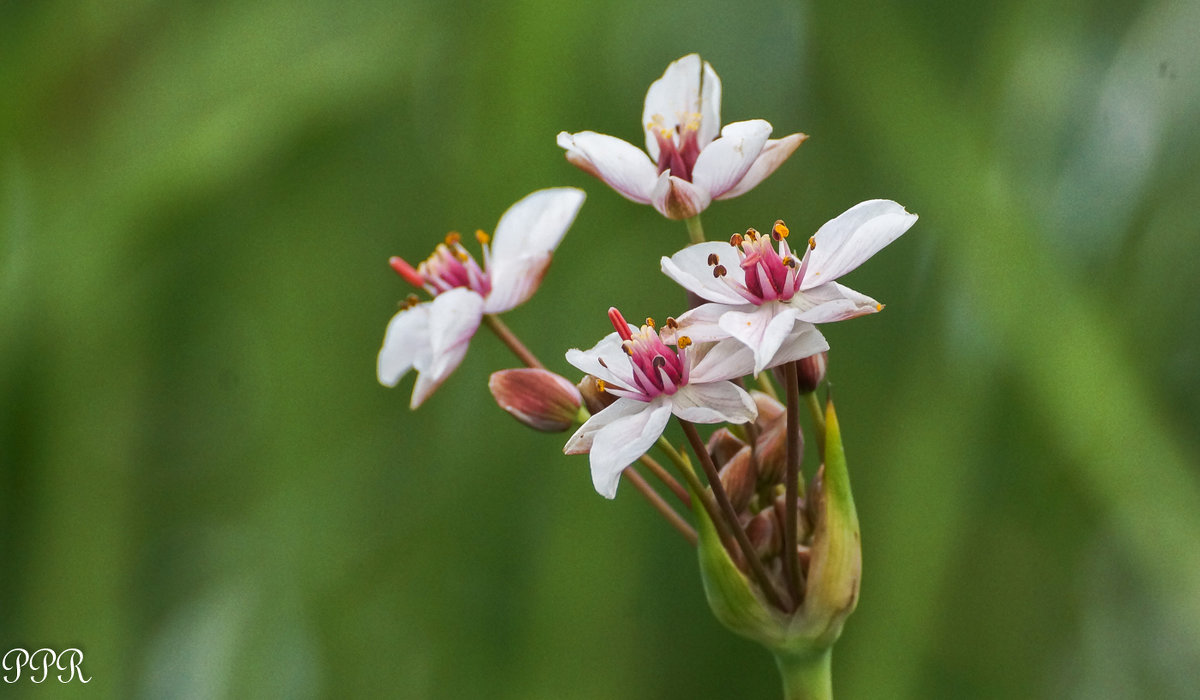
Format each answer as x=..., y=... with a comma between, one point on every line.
x=764, y=533
x=811, y=371
x=538, y=398
x=595, y=399
x=830, y=559
x=723, y=445
x=739, y=476
x=771, y=449
x=768, y=408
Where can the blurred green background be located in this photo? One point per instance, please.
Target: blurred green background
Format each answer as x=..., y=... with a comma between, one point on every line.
x=203, y=486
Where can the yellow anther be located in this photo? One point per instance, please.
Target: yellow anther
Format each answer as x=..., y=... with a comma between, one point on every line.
x=649, y=322
x=752, y=234
x=482, y=237
x=780, y=229
x=878, y=307
x=461, y=255
x=601, y=385
x=682, y=342
x=812, y=242
x=453, y=238
x=627, y=346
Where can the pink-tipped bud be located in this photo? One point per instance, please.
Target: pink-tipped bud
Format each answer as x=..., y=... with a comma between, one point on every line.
x=764, y=533
x=811, y=372
x=771, y=446
x=723, y=445
x=739, y=476
x=538, y=398
x=768, y=408
x=594, y=398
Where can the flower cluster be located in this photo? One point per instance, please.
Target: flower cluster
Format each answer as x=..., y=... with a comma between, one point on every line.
x=779, y=555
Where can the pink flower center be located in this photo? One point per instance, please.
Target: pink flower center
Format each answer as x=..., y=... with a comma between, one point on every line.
x=771, y=273
x=657, y=369
x=448, y=267
x=678, y=145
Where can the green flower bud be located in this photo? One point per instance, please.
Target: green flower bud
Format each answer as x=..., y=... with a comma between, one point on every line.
x=830, y=555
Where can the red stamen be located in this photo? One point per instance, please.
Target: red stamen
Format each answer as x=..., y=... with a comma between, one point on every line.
x=406, y=271
x=618, y=322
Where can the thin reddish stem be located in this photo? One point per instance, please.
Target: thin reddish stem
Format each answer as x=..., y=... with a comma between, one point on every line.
x=660, y=505
x=714, y=481
x=510, y=339
x=791, y=498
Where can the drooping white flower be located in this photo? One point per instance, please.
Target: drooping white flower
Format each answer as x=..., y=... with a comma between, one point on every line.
x=653, y=381
x=759, y=291
x=432, y=336
x=688, y=165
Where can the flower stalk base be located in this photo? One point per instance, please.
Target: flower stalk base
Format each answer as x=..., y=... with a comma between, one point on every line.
x=807, y=677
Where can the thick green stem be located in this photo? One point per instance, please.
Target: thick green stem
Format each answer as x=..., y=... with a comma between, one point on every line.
x=695, y=229
x=807, y=677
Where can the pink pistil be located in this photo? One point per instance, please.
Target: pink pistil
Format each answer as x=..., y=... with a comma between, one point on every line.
x=449, y=266
x=770, y=273
x=656, y=368
x=681, y=158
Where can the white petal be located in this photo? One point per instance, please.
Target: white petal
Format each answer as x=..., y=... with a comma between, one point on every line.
x=581, y=441
x=689, y=267
x=525, y=239
x=832, y=302
x=515, y=282
x=771, y=157
x=710, y=107
x=718, y=361
x=453, y=319
x=622, y=441
x=804, y=341
x=763, y=330
x=618, y=163
x=718, y=402
x=536, y=224
x=429, y=380
x=405, y=345
x=844, y=242
x=724, y=162
x=604, y=360
x=676, y=198
x=673, y=97
x=701, y=323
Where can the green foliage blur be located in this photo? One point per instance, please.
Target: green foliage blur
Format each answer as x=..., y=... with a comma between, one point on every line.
x=204, y=488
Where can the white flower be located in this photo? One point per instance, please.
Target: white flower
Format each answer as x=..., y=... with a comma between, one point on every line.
x=688, y=165
x=653, y=381
x=759, y=292
x=432, y=336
